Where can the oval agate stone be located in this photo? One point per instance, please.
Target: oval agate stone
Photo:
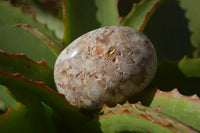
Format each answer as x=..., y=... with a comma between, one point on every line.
x=105, y=66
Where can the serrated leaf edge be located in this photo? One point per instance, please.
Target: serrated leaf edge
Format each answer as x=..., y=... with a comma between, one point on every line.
x=175, y=92
x=167, y=122
x=62, y=108
x=55, y=48
x=35, y=19
x=41, y=63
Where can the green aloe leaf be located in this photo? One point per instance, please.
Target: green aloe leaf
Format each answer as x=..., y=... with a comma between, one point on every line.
x=184, y=108
x=6, y=99
x=3, y=106
x=16, y=40
x=107, y=12
x=43, y=13
x=44, y=38
x=29, y=119
x=53, y=23
x=192, y=14
x=29, y=92
x=140, y=14
x=138, y=118
x=190, y=67
x=19, y=63
x=83, y=16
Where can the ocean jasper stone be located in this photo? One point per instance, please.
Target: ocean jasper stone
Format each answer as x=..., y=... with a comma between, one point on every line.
x=105, y=66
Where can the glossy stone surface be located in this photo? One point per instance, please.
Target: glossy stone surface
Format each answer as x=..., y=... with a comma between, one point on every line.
x=105, y=66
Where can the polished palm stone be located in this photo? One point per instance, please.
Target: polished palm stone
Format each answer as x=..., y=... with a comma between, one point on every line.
x=105, y=66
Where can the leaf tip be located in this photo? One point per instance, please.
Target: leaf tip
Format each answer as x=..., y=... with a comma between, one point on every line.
x=43, y=62
x=7, y=112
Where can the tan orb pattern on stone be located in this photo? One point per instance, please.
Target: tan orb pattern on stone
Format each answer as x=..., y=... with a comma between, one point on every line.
x=105, y=66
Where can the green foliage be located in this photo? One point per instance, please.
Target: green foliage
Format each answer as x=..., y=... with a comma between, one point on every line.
x=140, y=13
x=52, y=22
x=17, y=41
x=29, y=119
x=28, y=92
x=138, y=118
x=184, y=108
x=192, y=14
x=19, y=63
x=107, y=12
x=6, y=99
x=38, y=107
x=56, y=49
x=190, y=67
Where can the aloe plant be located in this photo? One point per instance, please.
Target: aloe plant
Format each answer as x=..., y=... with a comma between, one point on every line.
x=30, y=44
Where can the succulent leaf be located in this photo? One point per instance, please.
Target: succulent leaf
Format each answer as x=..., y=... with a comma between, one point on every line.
x=20, y=63
x=29, y=119
x=6, y=99
x=107, y=12
x=53, y=23
x=29, y=92
x=190, y=67
x=101, y=13
x=43, y=12
x=140, y=14
x=17, y=41
x=184, y=108
x=192, y=14
x=44, y=38
x=139, y=118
